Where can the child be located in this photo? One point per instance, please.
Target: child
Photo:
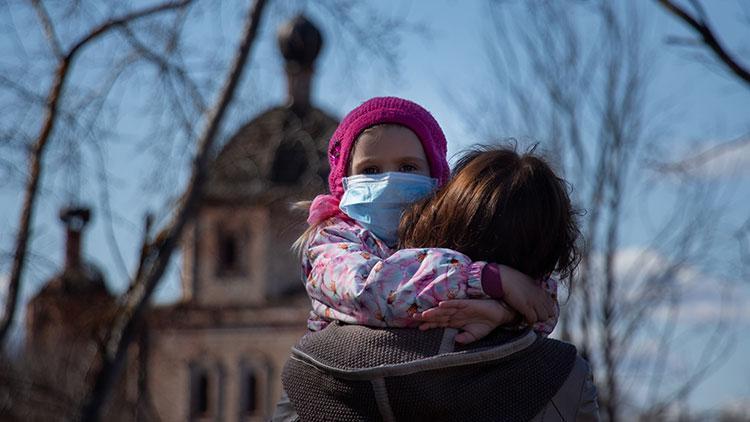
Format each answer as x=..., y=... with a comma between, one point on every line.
x=385, y=155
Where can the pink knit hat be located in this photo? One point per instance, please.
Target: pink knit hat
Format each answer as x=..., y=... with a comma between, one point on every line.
x=373, y=112
x=381, y=110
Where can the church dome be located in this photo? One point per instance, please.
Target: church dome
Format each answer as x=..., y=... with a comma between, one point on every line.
x=282, y=153
x=277, y=155
x=300, y=42
x=85, y=280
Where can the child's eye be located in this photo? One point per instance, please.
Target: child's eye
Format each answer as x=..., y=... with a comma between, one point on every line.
x=370, y=170
x=408, y=168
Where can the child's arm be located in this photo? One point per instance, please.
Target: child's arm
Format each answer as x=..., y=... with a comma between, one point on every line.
x=352, y=278
x=535, y=301
x=477, y=318
x=474, y=317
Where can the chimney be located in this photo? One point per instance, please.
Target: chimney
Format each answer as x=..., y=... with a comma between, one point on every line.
x=299, y=42
x=75, y=220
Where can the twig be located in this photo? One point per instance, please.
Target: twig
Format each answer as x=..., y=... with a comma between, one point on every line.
x=49, y=28
x=704, y=157
x=708, y=37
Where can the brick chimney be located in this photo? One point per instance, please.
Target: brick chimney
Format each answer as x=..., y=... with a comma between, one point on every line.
x=75, y=220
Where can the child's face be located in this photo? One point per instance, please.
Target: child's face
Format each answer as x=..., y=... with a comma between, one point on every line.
x=388, y=148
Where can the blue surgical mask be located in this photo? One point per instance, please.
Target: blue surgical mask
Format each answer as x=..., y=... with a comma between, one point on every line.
x=376, y=201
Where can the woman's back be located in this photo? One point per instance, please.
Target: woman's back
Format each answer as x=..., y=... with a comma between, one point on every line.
x=348, y=372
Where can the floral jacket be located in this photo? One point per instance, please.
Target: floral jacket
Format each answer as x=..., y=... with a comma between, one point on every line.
x=353, y=277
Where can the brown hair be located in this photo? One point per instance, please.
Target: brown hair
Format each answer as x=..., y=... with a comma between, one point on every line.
x=500, y=207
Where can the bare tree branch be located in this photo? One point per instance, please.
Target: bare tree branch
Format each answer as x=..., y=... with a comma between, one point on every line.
x=21, y=90
x=195, y=95
x=703, y=157
x=49, y=29
x=700, y=26
x=37, y=154
x=128, y=321
x=712, y=355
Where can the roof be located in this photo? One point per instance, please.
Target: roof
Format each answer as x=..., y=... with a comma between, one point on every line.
x=277, y=155
x=86, y=280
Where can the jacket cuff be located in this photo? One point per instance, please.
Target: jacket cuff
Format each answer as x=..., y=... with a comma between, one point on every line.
x=474, y=289
x=492, y=283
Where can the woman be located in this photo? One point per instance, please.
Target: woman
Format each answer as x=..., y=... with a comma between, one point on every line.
x=500, y=207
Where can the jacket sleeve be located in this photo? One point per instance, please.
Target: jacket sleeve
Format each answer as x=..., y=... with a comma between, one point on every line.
x=576, y=400
x=352, y=277
x=588, y=407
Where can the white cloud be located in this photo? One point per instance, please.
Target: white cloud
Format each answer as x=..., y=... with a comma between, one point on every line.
x=738, y=406
x=719, y=159
x=701, y=301
x=702, y=298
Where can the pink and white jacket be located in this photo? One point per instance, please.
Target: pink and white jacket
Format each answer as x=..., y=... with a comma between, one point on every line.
x=353, y=277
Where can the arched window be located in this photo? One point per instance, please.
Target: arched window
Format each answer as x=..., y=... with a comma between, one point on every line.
x=229, y=256
x=228, y=252
x=290, y=162
x=253, y=382
x=199, y=391
x=249, y=392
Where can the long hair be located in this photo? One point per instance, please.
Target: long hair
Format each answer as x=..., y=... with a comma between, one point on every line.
x=500, y=207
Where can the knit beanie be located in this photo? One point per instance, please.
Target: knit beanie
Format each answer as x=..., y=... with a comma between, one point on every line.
x=376, y=111
x=381, y=110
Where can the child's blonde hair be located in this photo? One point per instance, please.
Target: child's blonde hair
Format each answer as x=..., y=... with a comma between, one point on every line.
x=299, y=245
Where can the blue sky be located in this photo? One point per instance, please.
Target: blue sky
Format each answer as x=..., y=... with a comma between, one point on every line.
x=702, y=106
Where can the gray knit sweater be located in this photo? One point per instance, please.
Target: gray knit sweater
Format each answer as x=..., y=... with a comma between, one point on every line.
x=355, y=373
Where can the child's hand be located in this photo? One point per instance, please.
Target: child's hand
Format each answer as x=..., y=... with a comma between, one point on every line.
x=526, y=296
x=476, y=318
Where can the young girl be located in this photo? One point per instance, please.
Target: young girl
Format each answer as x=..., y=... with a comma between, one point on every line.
x=385, y=155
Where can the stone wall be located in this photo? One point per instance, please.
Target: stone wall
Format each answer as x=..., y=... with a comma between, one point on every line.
x=226, y=354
